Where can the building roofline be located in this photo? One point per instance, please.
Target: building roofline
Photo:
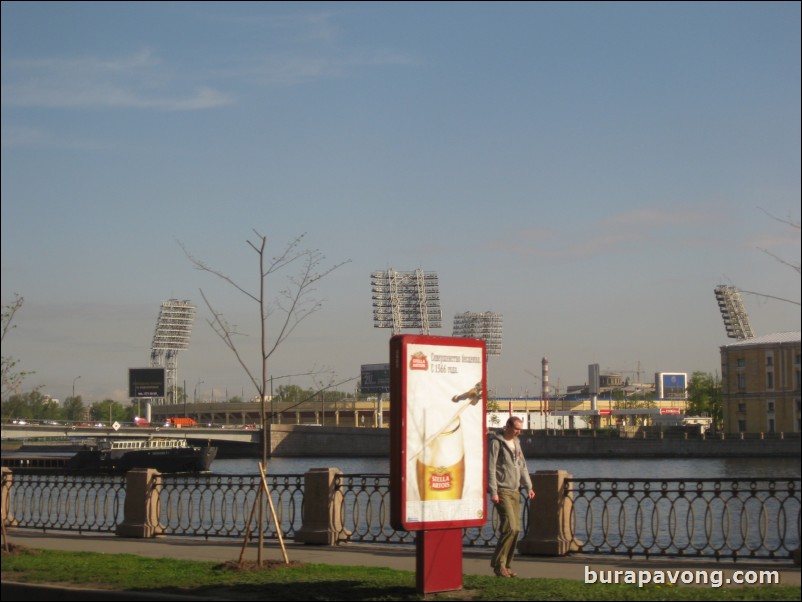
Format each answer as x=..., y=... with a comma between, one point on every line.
x=768, y=339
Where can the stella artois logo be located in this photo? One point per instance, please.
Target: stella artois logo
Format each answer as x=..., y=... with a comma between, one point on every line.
x=440, y=479
x=418, y=361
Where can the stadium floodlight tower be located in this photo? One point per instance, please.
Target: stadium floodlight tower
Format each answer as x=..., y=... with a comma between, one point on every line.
x=486, y=325
x=736, y=320
x=173, y=329
x=406, y=300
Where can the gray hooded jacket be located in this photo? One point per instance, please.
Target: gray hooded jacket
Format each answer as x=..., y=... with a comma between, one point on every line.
x=505, y=469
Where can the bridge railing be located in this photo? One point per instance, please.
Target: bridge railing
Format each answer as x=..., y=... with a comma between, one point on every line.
x=708, y=518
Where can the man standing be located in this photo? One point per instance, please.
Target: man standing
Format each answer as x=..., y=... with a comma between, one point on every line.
x=506, y=474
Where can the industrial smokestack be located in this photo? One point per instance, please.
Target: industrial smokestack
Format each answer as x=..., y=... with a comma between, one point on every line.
x=544, y=379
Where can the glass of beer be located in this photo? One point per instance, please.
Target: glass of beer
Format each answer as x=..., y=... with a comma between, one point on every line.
x=441, y=466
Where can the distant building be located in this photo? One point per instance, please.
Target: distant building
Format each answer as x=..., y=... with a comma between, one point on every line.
x=760, y=380
x=610, y=385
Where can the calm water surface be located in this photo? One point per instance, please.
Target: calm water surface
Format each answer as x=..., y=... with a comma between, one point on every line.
x=696, y=468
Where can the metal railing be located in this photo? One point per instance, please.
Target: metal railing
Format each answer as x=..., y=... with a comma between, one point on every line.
x=365, y=510
x=365, y=514
x=223, y=505
x=58, y=502
x=734, y=518
x=712, y=518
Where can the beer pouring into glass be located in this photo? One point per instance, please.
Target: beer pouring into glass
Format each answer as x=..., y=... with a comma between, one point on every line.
x=440, y=466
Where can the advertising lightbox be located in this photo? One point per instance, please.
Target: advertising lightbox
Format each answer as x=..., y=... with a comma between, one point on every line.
x=437, y=460
x=672, y=385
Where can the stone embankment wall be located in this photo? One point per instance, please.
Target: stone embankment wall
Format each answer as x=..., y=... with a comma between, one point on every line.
x=319, y=441
x=299, y=441
x=586, y=445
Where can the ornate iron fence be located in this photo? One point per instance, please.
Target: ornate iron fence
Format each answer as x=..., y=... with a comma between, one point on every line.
x=365, y=514
x=65, y=502
x=700, y=518
x=684, y=517
x=223, y=505
x=364, y=502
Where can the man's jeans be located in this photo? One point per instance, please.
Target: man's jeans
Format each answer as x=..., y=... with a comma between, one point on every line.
x=509, y=512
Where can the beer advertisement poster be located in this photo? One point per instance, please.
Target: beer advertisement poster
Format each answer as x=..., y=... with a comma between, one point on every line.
x=437, y=432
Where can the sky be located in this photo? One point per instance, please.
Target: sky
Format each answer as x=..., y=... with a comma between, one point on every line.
x=591, y=171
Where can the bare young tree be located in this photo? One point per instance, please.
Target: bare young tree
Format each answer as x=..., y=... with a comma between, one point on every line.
x=292, y=305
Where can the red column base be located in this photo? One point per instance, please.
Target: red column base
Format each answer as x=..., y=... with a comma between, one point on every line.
x=438, y=560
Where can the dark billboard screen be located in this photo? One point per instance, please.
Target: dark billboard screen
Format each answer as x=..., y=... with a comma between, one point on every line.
x=146, y=382
x=375, y=378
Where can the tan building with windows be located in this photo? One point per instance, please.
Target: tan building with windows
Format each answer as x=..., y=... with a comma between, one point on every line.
x=760, y=380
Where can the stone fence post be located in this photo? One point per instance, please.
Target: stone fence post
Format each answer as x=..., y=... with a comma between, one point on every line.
x=142, y=492
x=549, y=529
x=5, y=513
x=322, y=522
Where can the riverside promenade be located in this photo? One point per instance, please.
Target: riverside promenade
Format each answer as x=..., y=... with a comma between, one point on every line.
x=398, y=557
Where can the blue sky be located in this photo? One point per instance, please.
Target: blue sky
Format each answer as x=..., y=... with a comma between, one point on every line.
x=590, y=171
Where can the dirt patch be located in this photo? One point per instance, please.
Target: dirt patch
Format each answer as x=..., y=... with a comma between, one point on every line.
x=14, y=550
x=247, y=566
x=460, y=594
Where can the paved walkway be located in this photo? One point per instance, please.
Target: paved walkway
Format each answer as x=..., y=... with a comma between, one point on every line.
x=475, y=562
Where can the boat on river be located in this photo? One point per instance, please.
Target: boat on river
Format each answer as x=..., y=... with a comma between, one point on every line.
x=162, y=454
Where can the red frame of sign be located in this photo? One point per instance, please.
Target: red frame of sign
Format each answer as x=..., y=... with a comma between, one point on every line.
x=437, y=412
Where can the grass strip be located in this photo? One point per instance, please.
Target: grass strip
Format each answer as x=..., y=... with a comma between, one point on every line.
x=298, y=581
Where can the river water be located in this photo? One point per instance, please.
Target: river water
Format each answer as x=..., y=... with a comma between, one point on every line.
x=606, y=468
x=581, y=468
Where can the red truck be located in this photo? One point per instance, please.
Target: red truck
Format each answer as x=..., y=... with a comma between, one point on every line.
x=181, y=422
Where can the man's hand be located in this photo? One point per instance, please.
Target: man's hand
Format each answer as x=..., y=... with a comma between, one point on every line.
x=494, y=498
x=531, y=494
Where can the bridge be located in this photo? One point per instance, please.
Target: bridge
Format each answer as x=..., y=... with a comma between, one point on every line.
x=287, y=440
x=72, y=431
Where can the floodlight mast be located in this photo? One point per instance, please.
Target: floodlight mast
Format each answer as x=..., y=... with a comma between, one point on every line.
x=736, y=320
x=173, y=329
x=406, y=300
x=487, y=326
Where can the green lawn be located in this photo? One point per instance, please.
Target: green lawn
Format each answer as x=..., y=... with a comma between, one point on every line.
x=325, y=582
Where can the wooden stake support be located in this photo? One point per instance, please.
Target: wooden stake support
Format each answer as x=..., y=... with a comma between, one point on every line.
x=263, y=490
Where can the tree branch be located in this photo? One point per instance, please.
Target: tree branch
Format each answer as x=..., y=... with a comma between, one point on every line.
x=317, y=392
x=225, y=332
x=200, y=265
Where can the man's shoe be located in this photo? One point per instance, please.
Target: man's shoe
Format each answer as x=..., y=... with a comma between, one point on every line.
x=501, y=572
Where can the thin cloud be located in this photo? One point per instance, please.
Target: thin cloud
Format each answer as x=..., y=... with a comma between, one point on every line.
x=23, y=136
x=657, y=217
x=314, y=47
x=611, y=234
x=301, y=26
x=292, y=70
x=139, y=81
x=787, y=238
x=552, y=245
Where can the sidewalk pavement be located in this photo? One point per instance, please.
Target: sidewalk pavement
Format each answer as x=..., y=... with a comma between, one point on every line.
x=475, y=562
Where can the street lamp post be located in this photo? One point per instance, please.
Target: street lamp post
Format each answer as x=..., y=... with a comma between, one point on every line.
x=536, y=377
x=73, y=386
x=195, y=399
